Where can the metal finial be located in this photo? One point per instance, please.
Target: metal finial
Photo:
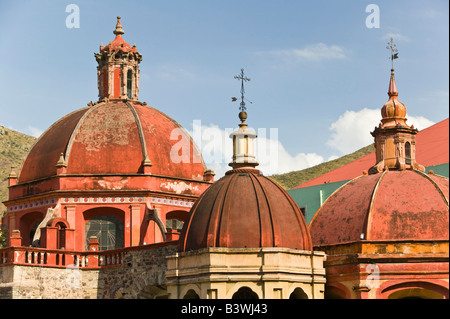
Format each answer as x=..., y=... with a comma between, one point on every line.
x=394, y=52
x=118, y=29
x=243, y=78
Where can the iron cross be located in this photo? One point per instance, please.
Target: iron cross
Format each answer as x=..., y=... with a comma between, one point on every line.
x=394, y=52
x=243, y=78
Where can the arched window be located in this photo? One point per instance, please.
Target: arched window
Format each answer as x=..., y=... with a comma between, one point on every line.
x=108, y=229
x=298, y=293
x=61, y=239
x=416, y=293
x=191, y=294
x=407, y=153
x=129, y=81
x=28, y=226
x=245, y=293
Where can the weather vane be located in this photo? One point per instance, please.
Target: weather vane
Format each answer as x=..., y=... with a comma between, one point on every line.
x=243, y=78
x=394, y=52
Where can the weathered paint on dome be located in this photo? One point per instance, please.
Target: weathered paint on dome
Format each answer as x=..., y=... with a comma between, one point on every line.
x=245, y=209
x=43, y=156
x=114, y=138
x=388, y=206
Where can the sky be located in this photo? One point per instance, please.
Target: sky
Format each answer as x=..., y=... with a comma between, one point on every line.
x=319, y=70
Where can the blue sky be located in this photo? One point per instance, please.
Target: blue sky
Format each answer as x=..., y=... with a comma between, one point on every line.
x=319, y=75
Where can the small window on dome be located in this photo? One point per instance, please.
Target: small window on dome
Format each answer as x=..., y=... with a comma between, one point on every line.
x=129, y=81
x=408, y=153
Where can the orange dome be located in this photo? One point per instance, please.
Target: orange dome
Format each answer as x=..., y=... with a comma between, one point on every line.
x=388, y=206
x=118, y=43
x=115, y=137
x=245, y=209
x=393, y=111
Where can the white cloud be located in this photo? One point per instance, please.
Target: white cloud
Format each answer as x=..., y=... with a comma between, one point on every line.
x=216, y=148
x=419, y=122
x=275, y=159
x=351, y=131
x=314, y=52
x=34, y=131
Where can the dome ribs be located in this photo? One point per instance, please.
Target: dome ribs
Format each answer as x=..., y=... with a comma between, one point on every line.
x=140, y=131
x=77, y=128
x=438, y=188
x=368, y=217
x=222, y=203
x=267, y=221
x=305, y=239
x=41, y=160
x=390, y=206
x=113, y=137
x=188, y=224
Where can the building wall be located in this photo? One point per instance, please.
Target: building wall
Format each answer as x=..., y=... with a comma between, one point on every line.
x=387, y=270
x=141, y=273
x=269, y=272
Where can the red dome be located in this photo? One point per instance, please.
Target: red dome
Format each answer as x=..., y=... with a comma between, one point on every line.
x=245, y=209
x=113, y=138
x=119, y=44
x=388, y=206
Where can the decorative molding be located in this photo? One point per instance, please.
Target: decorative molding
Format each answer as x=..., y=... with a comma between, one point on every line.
x=40, y=203
x=104, y=200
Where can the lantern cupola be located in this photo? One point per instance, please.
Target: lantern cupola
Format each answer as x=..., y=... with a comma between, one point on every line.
x=118, y=68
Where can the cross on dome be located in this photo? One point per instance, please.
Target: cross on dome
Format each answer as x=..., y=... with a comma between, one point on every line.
x=243, y=138
x=243, y=78
x=394, y=52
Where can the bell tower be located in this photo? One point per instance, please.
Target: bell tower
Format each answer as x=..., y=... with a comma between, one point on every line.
x=395, y=141
x=118, y=68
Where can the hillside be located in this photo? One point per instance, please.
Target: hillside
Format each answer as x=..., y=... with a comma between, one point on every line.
x=292, y=179
x=14, y=146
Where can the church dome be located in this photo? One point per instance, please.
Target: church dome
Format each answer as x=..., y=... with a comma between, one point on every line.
x=245, y=209
x=114, y=137
x=396, y=200
x=118, y=135
x=394, y=205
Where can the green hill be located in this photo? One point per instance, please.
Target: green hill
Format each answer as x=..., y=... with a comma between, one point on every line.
x=14, y=146
x=292, y=179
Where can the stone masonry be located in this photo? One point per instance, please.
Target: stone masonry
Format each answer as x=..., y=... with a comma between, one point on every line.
x=141, y=274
